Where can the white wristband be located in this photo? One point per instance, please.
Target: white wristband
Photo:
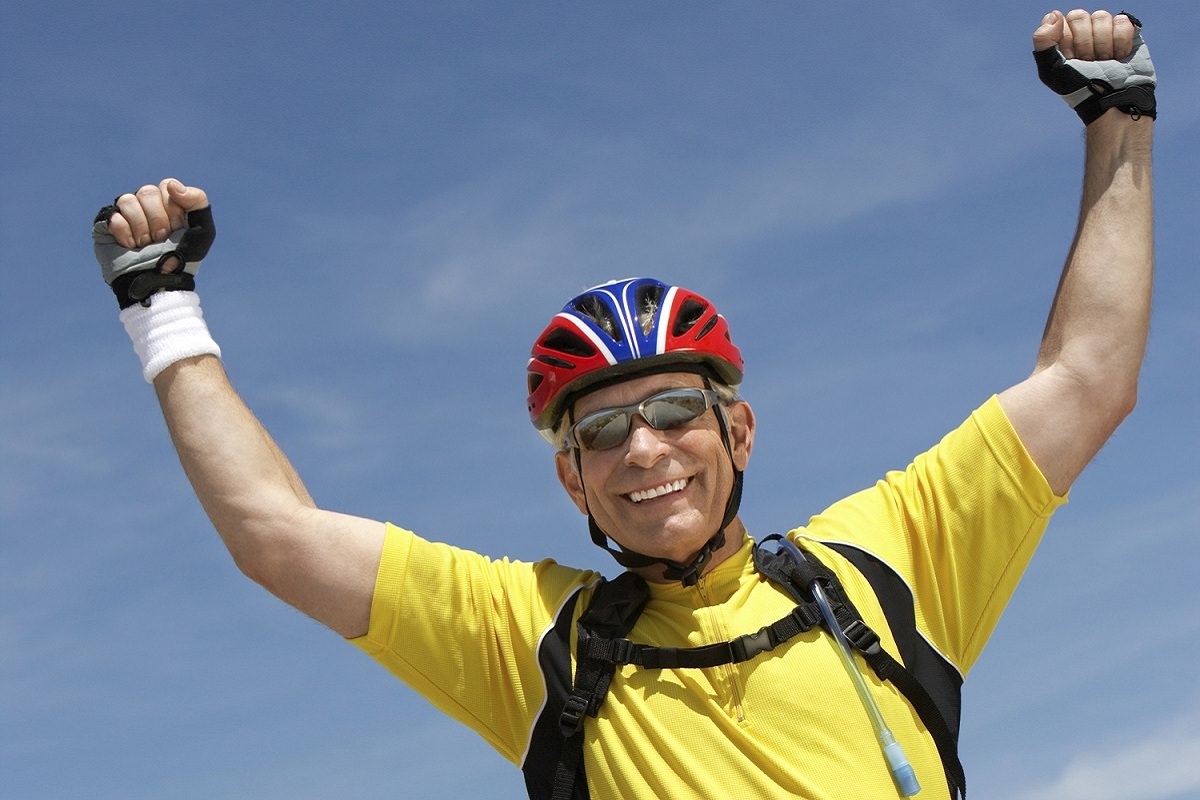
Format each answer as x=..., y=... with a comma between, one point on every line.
x=172, y=328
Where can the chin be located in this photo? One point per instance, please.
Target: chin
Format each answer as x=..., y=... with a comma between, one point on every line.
x=677, y=547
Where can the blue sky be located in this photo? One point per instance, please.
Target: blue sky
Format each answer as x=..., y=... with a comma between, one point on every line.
x=879, y=201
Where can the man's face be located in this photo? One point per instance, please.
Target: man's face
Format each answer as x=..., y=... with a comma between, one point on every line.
x=661, y=493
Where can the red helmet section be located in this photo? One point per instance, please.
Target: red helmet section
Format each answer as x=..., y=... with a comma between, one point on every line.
x=623, y=330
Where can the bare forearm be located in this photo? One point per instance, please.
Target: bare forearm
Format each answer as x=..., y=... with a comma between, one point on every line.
x=1100, y=317
x=239, y=474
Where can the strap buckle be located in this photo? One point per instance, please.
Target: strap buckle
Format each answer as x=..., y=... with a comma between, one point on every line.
x=746, y=647
x=621, y=651
x=860, y=635
x=570, y=721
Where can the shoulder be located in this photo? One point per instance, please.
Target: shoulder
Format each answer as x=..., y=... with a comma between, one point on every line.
x=419, y=576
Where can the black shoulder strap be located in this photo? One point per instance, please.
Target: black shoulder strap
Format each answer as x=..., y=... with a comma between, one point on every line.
x=614, y=608
x=545, y=741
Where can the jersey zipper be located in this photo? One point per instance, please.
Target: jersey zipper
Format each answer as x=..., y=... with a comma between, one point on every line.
x=726, y=671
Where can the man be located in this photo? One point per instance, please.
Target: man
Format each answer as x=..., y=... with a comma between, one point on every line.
x=636, y=382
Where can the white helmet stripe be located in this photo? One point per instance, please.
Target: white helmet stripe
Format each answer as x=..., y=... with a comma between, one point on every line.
x=665, y=313
x=591, y=336
x=629, y=320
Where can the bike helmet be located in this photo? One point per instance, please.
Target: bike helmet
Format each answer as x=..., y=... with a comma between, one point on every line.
x=621, y=330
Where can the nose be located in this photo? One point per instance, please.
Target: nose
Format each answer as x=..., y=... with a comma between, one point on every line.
x=645, y=445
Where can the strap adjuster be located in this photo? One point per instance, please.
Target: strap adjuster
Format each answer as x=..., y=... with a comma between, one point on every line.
x=621, y=651
x=805, y=618
x=570, y=721
x=859, y=634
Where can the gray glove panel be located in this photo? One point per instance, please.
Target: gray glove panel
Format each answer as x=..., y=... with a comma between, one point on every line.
x=136, y=274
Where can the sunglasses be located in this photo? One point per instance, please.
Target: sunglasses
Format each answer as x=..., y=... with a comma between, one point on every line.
x=609, y=427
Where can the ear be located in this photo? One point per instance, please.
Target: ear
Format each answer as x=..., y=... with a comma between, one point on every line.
x=568, y=476
x=741, y=433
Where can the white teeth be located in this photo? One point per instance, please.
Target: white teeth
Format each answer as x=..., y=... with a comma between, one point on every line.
x=658, y=491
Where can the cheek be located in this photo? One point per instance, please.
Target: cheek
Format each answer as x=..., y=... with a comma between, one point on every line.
x=568, y=476
x=588, y=492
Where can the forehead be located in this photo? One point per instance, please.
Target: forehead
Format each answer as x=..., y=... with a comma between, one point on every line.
x=635, y=390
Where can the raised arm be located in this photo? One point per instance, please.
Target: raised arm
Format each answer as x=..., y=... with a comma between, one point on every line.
x=321, y=562
x=1085, y=380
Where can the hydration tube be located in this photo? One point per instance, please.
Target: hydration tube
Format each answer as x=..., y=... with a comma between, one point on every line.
x=902, y=771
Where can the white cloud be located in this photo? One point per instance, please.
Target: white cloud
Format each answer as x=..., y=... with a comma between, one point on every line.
x=1148, y=765
x=330, y=419
x=572, y=220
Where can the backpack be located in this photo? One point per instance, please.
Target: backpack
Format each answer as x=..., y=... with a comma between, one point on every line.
x=554, y=767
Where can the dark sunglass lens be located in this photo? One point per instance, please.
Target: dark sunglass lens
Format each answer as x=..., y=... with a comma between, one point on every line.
x=604, y=430
x=664, y=413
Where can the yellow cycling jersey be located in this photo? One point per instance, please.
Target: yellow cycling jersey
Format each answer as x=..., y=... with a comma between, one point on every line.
x=957, y=526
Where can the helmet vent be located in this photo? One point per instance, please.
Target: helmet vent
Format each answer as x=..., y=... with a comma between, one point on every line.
x=563, y=341
x=649, y=298
x=553, y=361
x=689, y=314
x=598, y=312
x=535, y=381
x=708, y=326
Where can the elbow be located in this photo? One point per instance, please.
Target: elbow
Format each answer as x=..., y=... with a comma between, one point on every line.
x=251, y=559
x=1121, y=397
x=1112, y=402
x=256, y=546
x=253, y=568
x=1105, y=383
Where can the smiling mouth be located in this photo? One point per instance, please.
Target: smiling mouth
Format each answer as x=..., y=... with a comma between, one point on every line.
x=658, y=491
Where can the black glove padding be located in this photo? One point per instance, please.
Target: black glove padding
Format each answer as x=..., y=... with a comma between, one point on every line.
x=1093, y=87
x=136, y=274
